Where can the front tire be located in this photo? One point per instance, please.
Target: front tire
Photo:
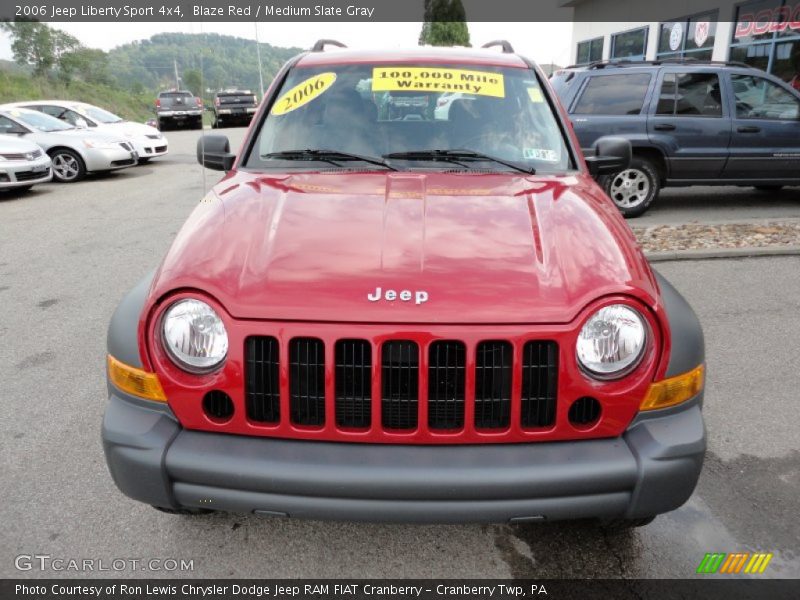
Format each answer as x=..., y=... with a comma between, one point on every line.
x=634, y=189
x=68, y=166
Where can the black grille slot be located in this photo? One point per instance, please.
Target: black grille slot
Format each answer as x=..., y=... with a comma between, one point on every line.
x=400, y=383
x=584, y=412
x=353, y=383
x=493, y=385
x=307, y=381
x=28, y=175
x=446, y=373
x=218, y=405
x=262, y=391
x=539, y=383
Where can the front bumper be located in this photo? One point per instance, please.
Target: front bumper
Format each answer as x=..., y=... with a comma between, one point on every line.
x=651, y=469
x=107, y=159
x=150, y=148
x=22, y=173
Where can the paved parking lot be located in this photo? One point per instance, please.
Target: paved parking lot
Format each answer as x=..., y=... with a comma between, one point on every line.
x=69, y=253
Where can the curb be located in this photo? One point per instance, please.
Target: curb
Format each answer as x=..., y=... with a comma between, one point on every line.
x=713, y=253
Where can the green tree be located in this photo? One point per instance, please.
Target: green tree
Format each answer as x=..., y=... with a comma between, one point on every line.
x=445, y=24
x=193, y=81
x=36, y=45
x=87, y=64
x=31, y=44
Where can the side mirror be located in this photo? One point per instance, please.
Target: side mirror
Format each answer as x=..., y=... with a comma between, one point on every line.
x=611, y=155
x=214, y=152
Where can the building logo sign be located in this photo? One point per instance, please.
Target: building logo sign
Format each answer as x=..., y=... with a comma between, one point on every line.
x=701, y=30
x=676, y=36
x=768, y=20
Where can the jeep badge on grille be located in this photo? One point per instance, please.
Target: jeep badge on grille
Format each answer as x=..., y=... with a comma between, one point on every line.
x=419, y=296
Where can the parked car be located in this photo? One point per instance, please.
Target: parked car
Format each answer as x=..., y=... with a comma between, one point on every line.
x=23, y=164
x=690, y=123
x=74, y=152
x=384, y=319
x=445, y=101
x=233, y=107
x=148, y=142
x=179, y=108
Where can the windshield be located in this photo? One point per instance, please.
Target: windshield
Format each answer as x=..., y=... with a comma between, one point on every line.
x=389, y=111
x=39, y=121
x=100, y=115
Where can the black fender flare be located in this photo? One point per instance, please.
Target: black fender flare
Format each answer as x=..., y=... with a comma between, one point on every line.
x=123, y=341
x=688, y=345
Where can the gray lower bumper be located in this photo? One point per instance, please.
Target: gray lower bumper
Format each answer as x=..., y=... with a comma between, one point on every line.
x=652, y=469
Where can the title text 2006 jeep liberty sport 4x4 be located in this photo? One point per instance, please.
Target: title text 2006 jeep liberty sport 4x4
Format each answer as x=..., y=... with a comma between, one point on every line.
x=389, y=317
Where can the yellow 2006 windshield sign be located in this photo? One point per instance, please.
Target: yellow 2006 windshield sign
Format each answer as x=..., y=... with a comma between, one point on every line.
x=434, y=79
x=303, y=93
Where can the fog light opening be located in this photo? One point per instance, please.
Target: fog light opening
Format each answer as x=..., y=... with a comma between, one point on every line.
x=218, y=406
x=584, y=413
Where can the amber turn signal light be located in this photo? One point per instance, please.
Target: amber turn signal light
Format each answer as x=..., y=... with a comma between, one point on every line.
x=674, y=390
x=135, y=381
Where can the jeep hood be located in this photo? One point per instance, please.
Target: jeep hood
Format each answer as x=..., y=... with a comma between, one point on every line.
x=482, y=248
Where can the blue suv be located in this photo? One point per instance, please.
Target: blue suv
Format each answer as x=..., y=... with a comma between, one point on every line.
x=689, y=123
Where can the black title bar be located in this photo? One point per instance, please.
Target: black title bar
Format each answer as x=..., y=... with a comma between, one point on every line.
x=352, y=10
x=395, y=589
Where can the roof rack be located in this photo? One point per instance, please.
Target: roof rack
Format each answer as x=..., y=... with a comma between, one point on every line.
x=687, y=60
x=507, y=48
x=319, y=46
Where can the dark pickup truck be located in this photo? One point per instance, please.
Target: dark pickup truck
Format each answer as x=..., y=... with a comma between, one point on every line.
x=689, y=123
x=179, y=108
x=233, y=107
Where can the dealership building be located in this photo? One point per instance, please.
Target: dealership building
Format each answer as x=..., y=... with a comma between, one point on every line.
x=761, y=33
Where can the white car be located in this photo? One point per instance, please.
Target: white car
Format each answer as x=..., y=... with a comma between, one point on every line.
x=23, y=164
x=148, y=141
x=74, y=152
x=445, y=101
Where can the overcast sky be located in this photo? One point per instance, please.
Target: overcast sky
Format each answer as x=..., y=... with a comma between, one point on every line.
x=542, y=42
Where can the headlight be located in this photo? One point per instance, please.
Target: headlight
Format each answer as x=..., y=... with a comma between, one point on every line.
x=194, y=336
x=100, y=145
x=612, y=341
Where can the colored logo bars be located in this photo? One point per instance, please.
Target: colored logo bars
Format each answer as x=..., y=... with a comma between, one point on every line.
x=734, y=563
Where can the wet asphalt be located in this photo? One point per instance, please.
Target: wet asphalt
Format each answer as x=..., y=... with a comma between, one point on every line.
x=68, y=253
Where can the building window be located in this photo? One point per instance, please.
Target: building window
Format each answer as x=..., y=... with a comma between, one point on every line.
x=690, y=37
x=630, y=44
x=767, y=36
x=613, y=95
x=590, y=51
x=690, y=95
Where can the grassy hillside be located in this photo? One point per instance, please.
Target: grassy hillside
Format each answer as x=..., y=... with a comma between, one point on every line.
x=133, y=74
x=17, y=86
x=224, y=61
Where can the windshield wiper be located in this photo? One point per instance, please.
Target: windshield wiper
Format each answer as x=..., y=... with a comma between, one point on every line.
x=455, y=156
x=329, y=156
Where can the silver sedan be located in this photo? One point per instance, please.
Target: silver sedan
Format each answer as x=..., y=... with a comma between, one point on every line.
x=22, y=164
x=74, y=152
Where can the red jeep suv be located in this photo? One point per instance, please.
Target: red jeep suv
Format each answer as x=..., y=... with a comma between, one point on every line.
x=416, y=315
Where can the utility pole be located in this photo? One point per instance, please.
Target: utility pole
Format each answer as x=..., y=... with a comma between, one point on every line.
x=260, y=74
x=177, y=79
